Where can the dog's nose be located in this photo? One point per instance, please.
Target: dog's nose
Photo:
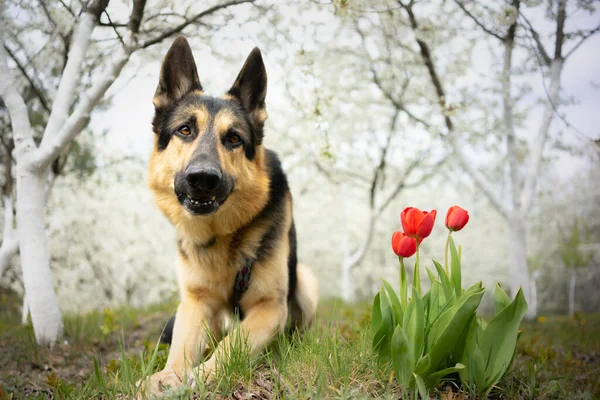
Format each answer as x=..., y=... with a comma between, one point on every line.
x=203, y=177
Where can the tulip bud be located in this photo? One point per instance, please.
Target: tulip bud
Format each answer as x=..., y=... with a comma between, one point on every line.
x=403, y=245
x=456, y=218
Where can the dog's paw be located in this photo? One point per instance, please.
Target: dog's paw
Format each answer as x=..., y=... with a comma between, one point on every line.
x=159, y=383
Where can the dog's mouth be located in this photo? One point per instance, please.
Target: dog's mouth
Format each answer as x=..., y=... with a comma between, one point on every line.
x=201, y=204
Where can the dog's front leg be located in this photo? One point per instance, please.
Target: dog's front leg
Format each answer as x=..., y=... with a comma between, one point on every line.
x=262, y=322
x=194, y=323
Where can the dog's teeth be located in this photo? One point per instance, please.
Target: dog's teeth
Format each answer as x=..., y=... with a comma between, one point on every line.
x=201, y=202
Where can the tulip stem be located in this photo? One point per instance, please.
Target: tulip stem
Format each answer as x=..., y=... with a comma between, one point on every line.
x=416, y=276
x=446, y=252
x=403, y=289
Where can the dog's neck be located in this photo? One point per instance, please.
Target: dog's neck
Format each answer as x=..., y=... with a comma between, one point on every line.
x=242, y=245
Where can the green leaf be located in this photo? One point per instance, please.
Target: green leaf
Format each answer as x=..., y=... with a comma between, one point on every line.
x=395, y=302
x=435, y=378
x=386, y=306
x=501, y=299
x=430, y=275
x=499, y=339
x=473, y=375
x=461, y=343
x=400, y=357
x=423, y=365
x=382, y=341
x=455, y=269
x=415, y=329
x=476, y=287
x=446, y=284
x=375, y=316
x=421, y=386
x=382, y=337
x=447, y=313
x=449, y=328
x=408, y=315
x=434, y=301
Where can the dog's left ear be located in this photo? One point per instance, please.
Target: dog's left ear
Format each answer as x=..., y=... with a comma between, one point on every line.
x=250, y=88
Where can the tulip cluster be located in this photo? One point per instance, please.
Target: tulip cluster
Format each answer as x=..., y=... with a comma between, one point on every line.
x=417, y=225
x=428, y=336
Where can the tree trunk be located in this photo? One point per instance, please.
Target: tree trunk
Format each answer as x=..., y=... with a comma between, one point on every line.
x=24, y=310
x=10, y=244
x=518, y=273
x=572, y=283
x=37, y=279
x=537, y=145
x=533, y=284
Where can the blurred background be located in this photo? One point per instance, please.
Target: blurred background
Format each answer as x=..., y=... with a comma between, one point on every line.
x=373, y=106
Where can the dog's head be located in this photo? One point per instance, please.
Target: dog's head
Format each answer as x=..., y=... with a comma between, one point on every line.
x=208, y=150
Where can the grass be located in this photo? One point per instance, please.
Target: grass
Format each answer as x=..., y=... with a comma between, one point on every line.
x=105, y=353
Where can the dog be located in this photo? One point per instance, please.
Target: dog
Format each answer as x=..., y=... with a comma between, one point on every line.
x=229, y=201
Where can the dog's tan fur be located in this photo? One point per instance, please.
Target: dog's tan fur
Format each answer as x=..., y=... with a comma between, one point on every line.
x=206, y=274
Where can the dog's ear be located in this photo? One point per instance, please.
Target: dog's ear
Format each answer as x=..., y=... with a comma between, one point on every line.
x=178, y=74
x=250, y=88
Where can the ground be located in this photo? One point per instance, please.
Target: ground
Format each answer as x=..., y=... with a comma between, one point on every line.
x=104, y=353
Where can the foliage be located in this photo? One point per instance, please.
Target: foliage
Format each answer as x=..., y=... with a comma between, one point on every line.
x=430, y=336
x=570, y=251
x=490, y=347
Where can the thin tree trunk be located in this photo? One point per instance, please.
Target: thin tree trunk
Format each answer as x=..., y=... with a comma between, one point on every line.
x=347, y=283
x=537, y=147
x=534, y=303
x=45, y=312
x=572, y=283
x=24, y=310
x=10, y=244
x=518, y=274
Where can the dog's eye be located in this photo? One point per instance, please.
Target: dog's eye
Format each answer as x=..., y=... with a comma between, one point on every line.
x=234, y=139
x=184, y=130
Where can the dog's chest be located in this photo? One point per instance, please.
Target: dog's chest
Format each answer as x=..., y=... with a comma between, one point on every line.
x=209, y=270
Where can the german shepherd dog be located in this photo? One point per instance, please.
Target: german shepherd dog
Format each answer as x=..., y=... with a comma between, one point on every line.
x=229, y=200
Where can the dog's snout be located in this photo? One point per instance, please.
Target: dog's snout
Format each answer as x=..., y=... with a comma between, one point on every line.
x=204, y=178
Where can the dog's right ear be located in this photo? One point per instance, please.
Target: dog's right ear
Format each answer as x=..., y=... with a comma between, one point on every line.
x=178, y=74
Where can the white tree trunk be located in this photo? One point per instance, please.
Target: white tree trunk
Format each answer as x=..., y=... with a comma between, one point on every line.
x=24, y=310
x=518, y=273
x=572, y=283
x=10, y=244
x=537, y=146
x=70, y=77
x=346, y=283
x=533, y=284
x=37, y=279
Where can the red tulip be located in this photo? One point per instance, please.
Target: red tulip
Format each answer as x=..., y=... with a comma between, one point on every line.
x=456, y=218
x=417, y=223
x=403, y=245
